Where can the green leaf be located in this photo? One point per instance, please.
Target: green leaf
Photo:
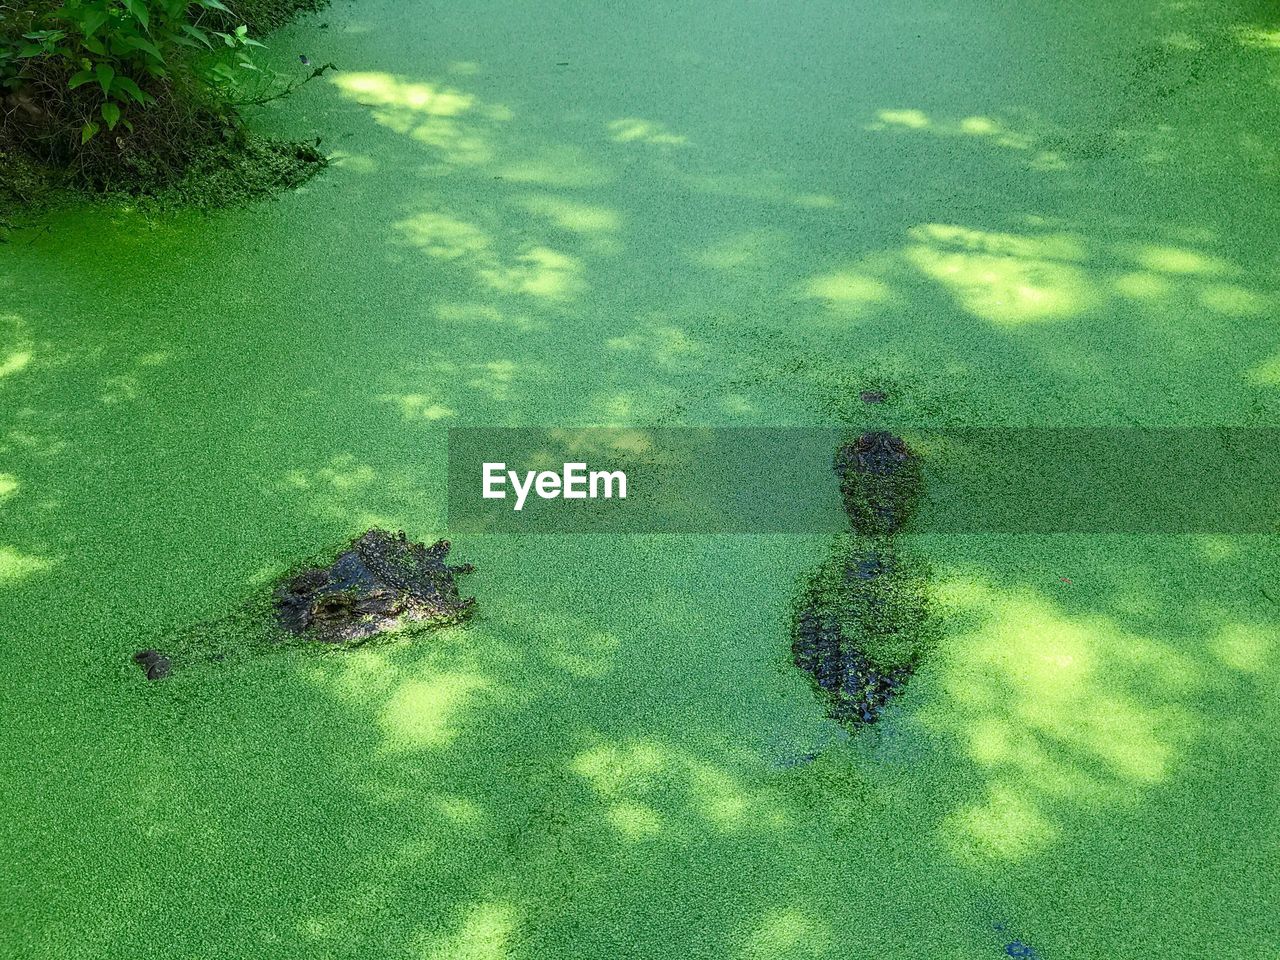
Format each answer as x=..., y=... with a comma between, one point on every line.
x=79, y=79
x=139, y=9
x=193, y=31
x=140, y=43
x=92, y=21
x=105, y=73
x=250, y=42
x=242, y=31
x=131, y=89
x=87, y=132
x=213, y=5
x=111, y=114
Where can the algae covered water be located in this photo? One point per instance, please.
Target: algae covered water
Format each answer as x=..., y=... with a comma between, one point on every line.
x=736, y=214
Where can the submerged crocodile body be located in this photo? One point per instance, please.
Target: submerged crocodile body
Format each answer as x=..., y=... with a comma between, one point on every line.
x=859, y=627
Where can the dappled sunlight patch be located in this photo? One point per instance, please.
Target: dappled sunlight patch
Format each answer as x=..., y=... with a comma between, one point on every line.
x=8, y=485
x=562, y=165
x=974, y=126
x=384, y=89
x=789, y=932
x=487, y=931
x=737, y=405
x=634, y=820
x=443, y=810
x=33, y=444
x=539, y=272
x=355, y=162
x=343, y=474
x=720, y=798
x=16, y=351
x=1007, y=825
x=425, y=711
x=360, y=676
x=14, y=362
x=451, y=122
x=351, y=491
x=1180, y=260
x=1005, y=278
x=1233, y=300
x=1258, y=37
x=419, y=406
x=815, y=201
x=590, y=444
x=16, y=566
x=444, y=237
x=847, y=292
x=1266, y=373
x=1245, y=647
x=1218, y=549
x=1052, y=709
x=1139, y=285
x=610, y=769
x=572, y=215
x=496, y=376
x=1183, y=274
x=1049, y=246
x=484, y=313
x=454, y=144
x=120, y=388
x=664, y=345
x=495, y=380
x=646, y=786
x=617, y=408
x=637, y=130
x=911, y=119
x=458, y=810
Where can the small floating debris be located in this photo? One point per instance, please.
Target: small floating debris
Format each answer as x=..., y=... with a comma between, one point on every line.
x=1016, y=948
x=153, y=663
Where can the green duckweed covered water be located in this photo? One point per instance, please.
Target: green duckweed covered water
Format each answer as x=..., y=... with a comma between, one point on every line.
x=654, y=214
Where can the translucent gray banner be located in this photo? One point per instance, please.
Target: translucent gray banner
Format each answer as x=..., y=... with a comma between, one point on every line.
x=779, y=480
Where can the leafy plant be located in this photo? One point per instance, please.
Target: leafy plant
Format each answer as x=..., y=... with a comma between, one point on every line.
x=113, y=57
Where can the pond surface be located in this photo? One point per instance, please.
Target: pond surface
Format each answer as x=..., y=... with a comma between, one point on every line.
x=651, y=215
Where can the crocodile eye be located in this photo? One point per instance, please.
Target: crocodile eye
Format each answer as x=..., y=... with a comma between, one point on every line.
x=332, y=606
